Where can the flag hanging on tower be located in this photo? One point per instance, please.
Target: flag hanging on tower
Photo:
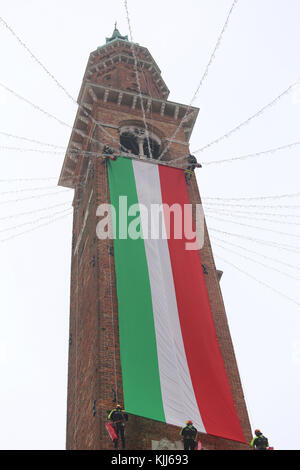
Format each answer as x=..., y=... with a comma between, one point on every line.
x=172, y=366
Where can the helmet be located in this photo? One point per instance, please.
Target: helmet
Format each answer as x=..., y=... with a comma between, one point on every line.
x=119, y=407
x=189, y=422
x=257, y=431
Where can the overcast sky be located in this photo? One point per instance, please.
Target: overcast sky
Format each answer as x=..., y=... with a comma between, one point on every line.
x=257, y=60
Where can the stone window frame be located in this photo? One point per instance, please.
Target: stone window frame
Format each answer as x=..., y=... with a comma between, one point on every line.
x=139, y=132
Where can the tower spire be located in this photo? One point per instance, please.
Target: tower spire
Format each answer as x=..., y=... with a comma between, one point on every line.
x=116, y=35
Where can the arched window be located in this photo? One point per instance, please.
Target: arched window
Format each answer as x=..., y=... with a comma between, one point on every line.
x=154, y=147
x=130, y=142
x=135, y=140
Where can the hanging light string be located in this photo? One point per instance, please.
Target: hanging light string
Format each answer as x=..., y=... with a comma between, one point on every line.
x=251, y=198
x=33, y=56
x=137, y=76
x=26, y=139
x=259, y=281
x=247, y=121
x=35, y=106
x=34, y=228
x=35, y=197
x=252, y=155
x=212, y=57
x=34, y=211
x=263, y=255
x=180, y=159
x=40, y=188
x=149, y=92
x=259, y=206
x=87, y=154
x=269, y=243
x=30, y=222
x=247, y=216
x=42, y=178
x=84, y=153
x=46, y=113
x=6, y=25
x=234, y=212
x=76, y=152
x=243, y=157
x=257, y=262
x=253, y=226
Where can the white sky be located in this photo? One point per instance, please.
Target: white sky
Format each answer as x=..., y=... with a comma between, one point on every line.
x=257, y=60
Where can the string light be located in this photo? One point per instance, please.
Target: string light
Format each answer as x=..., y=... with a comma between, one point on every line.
x=35, y=197
x=243, y=157
x=34, y=228
x=254, y=226
x=40, y=188
x=43, y=178
x=46, y=113
x=83, y=153
x=137, y=77
x=35, y=106
x=259, y=206
x=247, y=121
x=261, y=219
x=33, y=56
x=251, y=155
x=271, y=214
x=35, y=220
x=31, y=140
x=269, y=243
x=251, y=198
x=257, y=262
x=258, y=280
x=212, y=57
x=21, y=214
x=256, y=253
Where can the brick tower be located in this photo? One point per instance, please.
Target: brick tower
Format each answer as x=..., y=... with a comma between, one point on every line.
x=111, y=113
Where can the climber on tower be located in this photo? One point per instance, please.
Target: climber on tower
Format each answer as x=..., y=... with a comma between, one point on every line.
x=189, y=436
x=108, y=153
x=192, y=164
x=259, y=442
x=118, y=418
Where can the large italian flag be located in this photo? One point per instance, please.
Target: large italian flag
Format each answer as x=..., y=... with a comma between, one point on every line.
x=172, y=367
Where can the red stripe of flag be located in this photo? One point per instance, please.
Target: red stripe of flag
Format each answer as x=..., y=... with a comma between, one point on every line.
x=206, y=365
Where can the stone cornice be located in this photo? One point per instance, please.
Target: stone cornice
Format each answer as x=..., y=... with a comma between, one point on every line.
x=95, y=95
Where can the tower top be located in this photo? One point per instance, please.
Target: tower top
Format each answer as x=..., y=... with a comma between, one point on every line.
x=116, y=35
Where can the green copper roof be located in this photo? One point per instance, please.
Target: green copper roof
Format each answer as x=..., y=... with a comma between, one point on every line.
x=116, y=35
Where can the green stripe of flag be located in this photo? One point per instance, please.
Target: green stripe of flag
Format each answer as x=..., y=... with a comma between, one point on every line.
x=139, y=361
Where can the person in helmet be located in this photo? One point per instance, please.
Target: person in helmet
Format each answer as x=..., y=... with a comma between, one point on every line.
x=192, y=164
x=189, y=436
x=107, y=150
x=259, y=442
x=118, y=418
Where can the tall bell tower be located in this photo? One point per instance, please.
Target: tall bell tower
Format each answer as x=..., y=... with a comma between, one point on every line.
x=133, y=116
